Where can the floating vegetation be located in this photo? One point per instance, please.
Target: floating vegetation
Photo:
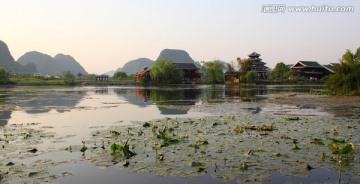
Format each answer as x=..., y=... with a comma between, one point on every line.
x=252, y=149
x=249, y=146
x=288, y=118
x=19, y=141
x=84, y=148
x=123, y=149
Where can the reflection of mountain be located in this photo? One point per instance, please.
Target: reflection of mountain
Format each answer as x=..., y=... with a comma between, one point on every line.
x=168, y=100
x=175, y=101
x=43, y=102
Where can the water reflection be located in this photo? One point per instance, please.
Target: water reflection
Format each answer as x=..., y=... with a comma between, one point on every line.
x=43, y=102
x=168, y=100
x=175, y=101
x=4, y=114
x=135, y=96
x=35, y=101
x=4, y=117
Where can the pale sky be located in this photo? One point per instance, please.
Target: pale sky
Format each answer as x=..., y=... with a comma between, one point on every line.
x=103, y=35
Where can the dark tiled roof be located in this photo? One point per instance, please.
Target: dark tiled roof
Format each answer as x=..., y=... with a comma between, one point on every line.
x=256, y=61
x=330, y=68
x=186, y=66
x=310, y=64
x=314, y=64
x=254, y=54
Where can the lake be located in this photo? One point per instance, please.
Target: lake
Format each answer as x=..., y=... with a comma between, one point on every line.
x=180, y=134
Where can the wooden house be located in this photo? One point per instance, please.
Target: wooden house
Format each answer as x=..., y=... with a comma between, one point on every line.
x=191, y=72
x=310, y=70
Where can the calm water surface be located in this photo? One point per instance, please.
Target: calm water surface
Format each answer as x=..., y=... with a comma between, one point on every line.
x=74, y=112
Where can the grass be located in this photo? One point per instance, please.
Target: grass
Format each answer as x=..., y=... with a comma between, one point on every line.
x=41, y=81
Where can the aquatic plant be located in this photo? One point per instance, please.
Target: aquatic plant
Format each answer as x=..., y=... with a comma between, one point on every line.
x=288, y=118
x=168, y=146
x=167, y=137
x=84, y=148
x=343, y=151
x=115, y=133
x=123, y=149
x=146, y=124
x=201, y=140
x=200, y=167
x=238, y=129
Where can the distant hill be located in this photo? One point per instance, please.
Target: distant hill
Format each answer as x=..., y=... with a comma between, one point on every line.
x=68, y=63
x=175, y=55
x=43, y=63
x=8, y=62
x=48, y=65
x=110, y=73
x=137, y=65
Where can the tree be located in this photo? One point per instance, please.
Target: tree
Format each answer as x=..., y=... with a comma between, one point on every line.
x=213, y=71
x=230, y=67
x=68, y=75
x=69, y=78
x=280, y=72
x=165, y=71
x=250, y=75
x=4, y=76
x=243, y=65
x=120, y=74
x=346, y=80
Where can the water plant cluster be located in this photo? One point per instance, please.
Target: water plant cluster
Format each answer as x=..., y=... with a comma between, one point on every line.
x=242, y=147
x=250, y=146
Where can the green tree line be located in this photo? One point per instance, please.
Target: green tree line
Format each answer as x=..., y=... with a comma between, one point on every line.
x=4, y=76
x=346, y=80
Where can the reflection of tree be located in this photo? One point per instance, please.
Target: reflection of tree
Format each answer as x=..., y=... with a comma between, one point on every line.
x=5, y=114
x=215, y=94
x=252, y=92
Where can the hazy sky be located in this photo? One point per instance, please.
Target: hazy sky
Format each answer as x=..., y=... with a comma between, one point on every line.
x=103, y=35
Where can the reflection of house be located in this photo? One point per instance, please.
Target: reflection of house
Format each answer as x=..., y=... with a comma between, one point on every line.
x=256, y=64
x=101, y=77
x=311, y=70
x=190, y=72
x=232, y=76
